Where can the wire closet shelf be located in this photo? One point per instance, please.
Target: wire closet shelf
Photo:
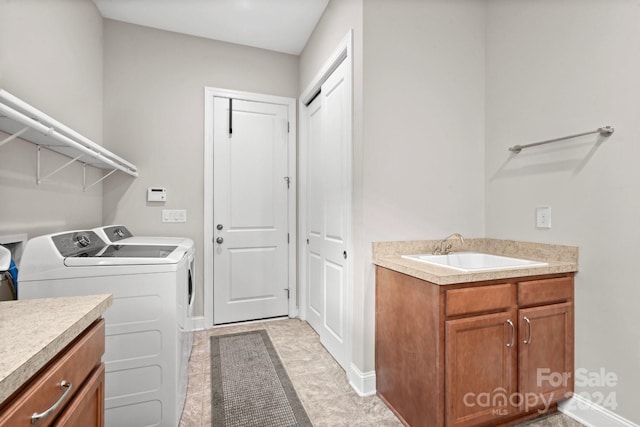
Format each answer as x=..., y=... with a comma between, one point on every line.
x=21, y=120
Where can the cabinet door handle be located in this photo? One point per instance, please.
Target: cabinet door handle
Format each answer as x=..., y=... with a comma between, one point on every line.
x=513, y=333
x=528, y=339
x=38, y=416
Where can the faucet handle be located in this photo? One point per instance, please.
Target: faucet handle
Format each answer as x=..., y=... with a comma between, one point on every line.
x=443, y=247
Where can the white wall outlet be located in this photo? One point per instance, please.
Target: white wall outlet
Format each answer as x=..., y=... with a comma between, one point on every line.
x=174, y=215
x=543, y=217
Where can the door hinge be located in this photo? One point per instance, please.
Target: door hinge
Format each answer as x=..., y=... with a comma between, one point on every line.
x=288, y=179
x=288, y=127
x=287, y=238
x=287, y=291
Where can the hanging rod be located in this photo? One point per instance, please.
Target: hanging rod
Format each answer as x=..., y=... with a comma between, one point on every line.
x=604, y=131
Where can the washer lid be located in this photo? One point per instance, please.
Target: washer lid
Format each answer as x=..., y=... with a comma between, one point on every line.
x=119, y=234
x=136, y=251
x=127, y=255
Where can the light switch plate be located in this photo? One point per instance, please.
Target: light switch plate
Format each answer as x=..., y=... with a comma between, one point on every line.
x=543, y=217
x=174, y=215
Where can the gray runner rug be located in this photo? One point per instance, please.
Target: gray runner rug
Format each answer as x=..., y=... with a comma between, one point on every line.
x=249, y=385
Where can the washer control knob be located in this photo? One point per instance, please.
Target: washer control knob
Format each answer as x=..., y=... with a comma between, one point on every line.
x=83, y=240
x=118, y=232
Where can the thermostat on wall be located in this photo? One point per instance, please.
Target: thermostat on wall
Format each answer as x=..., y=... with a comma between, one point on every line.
x=156, y=194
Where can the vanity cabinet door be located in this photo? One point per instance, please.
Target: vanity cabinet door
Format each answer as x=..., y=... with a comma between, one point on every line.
x=87, y=409
x=545, y=354
x=481, y=368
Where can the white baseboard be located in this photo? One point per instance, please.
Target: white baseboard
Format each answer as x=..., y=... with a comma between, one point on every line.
x=363, y=383
x=197, y=323
x=592, y=415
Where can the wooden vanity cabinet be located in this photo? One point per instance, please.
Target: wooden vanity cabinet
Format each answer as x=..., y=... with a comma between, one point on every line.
x=83, y=404
x=456, y=355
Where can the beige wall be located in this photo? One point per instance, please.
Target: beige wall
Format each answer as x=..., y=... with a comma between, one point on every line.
x=578, y=73
x=51, y=57
x=154, y=117
x=423, y=126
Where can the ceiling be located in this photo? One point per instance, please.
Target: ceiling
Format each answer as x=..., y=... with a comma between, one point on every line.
x=280, y=25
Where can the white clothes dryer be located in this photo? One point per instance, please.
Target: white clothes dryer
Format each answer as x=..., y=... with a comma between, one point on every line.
x=121, y=235
x=143, y=353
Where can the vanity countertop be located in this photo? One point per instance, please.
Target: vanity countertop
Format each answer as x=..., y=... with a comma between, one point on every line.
x=33, y=332
x=560, y=259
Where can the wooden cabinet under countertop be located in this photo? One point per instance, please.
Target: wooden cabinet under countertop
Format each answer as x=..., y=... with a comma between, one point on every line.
x=69, y=389
x=473, y=354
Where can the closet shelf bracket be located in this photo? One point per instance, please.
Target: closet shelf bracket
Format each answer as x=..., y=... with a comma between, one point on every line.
x=85, y=187
x=14, y=136
x=39, y=178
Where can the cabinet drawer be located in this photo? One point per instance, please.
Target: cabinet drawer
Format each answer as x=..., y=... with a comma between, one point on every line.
x=74, y=364
x=545, y=291
x=480, y=299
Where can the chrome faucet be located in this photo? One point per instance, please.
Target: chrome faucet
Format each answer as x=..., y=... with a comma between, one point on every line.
x=444, y=246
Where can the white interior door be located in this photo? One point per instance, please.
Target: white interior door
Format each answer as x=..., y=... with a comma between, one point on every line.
x=328, y=169
x=250, y=186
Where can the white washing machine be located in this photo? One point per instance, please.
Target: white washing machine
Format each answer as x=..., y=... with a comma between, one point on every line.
x=144, y=354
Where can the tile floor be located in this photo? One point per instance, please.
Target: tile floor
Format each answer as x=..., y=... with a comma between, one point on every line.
x=320, y=382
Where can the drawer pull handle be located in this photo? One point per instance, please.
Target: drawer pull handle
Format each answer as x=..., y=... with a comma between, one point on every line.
x=528, y=340
x=38, y=416
x=513, y=333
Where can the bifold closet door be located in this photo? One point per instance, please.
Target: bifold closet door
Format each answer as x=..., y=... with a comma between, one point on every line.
x=328, y=170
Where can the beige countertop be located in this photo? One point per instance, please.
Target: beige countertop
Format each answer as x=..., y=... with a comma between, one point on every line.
x=32, y=332
x=560, y=259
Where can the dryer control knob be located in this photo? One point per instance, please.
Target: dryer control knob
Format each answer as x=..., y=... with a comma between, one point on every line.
x=83, y=240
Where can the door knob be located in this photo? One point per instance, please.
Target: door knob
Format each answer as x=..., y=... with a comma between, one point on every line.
x=219, y=226
x=219, y=240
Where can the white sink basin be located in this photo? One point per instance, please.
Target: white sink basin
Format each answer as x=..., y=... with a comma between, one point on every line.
x=475, y=261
